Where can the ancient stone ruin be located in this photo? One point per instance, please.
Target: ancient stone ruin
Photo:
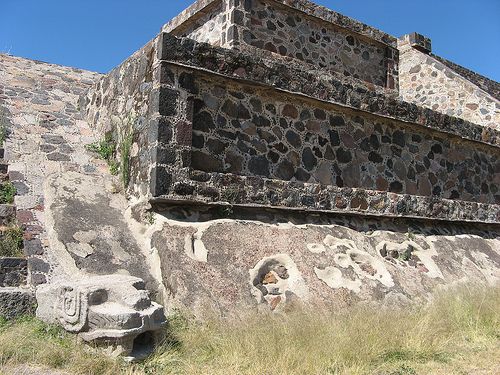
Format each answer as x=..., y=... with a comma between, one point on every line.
x=274, y=153
x=113, y=311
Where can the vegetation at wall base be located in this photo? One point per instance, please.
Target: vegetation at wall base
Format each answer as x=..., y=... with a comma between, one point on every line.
x=457, y=333
x=7, y=192
x=11, y=241
x=106, y=150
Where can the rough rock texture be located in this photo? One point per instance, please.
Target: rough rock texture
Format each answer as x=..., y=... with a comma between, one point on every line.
x=13, y=272
x=112, y=310
x=261, y=172
x=233, y=264
x=88, y=231
x=16, y=302
x=440, y=85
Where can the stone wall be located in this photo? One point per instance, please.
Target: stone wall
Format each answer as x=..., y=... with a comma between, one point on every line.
x=277, y=29
x=427, y=81
x=301, y=30
x=212, y=112
x=208, y=27
x=252, y=132
x=121, y=106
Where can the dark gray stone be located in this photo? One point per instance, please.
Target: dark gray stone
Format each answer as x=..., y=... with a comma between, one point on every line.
x=343, y=156
x=187, y=81
x=57, y=156
x=398, y=138
x=259, y=166
x=167, y=101
x=285, y=170
x=163, y=155
x=293, y=138
x=38, y=265
x=308, y=159
x=15, y=303
x=54, y=139
x=160, y=130
x=203, y=122
x=160, y=181
x=167, y=46
x=21, y=187
x=47, y=148
x=33, y=247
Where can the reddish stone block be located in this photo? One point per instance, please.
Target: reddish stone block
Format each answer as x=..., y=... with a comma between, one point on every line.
x=382, y=184
x=411, y=188
x=290, y=111
x=424, y=186
x=25, y=217
x=184, y=133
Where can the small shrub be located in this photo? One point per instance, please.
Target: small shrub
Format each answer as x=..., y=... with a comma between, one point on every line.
x=106, y=150
x=11, y=242
x=7, y=192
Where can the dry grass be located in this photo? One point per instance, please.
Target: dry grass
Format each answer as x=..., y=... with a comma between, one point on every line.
x=458, y=333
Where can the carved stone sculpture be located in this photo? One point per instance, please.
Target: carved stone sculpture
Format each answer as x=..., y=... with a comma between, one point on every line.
x=114, y=311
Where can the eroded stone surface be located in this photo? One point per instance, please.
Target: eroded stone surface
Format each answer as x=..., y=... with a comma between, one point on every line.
x=250, y=263
x=111, y=310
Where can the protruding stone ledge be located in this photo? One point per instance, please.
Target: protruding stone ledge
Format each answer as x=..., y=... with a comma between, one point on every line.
x=190, y=15
x=287, y=75
x=249, y=191
x=420, y=42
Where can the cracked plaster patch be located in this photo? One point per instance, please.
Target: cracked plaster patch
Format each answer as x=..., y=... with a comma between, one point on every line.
x=348, y=255
x=422, y=257
x=274, y=278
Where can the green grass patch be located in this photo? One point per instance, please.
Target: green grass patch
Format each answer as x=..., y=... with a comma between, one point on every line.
x=7, y=192
x=11, y=241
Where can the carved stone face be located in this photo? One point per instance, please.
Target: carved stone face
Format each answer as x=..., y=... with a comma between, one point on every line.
x=112, y=310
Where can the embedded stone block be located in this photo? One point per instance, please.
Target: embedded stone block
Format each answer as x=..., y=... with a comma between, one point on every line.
x=13, y=271
x=420, y=42
x=114, y=311
x=16, y=302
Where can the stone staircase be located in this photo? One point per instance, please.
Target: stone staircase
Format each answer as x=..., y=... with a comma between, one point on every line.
x=16, y=295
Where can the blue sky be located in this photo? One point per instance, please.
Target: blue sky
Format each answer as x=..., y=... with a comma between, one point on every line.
x=99, y=35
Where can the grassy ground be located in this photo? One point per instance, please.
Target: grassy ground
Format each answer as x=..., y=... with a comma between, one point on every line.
x=458, y=333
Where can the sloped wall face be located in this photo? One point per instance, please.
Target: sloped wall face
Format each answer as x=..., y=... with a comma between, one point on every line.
x=253, y=132
x=426, y=81
x=211, y=27
x=122, y=108
x=317, y=42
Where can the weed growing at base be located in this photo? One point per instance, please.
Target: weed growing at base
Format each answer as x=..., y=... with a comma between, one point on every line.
x=106, y=150
x=11, y=241
x=7, y=192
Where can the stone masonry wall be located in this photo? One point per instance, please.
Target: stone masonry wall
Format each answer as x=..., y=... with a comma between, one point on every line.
x=210, y=28
x=120, y=105
x=301, y=30
x=317, y=42
x=252, y=132
x=222, y=123
x=426, y=81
